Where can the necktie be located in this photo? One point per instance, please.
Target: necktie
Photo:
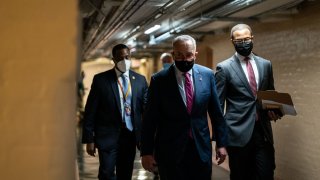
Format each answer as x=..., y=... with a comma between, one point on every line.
x=189, y=92
x=252, y=78
x=189, y=96
x=126, y=103
x=124, y=83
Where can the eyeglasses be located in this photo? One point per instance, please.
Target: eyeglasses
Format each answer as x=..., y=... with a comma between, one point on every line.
x=245, y=40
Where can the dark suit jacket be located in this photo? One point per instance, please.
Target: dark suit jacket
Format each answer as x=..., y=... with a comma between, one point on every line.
x=102, y=118
x=241, y=105
x=166, y=122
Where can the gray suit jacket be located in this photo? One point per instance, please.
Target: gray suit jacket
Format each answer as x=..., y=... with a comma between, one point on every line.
x=238, y=100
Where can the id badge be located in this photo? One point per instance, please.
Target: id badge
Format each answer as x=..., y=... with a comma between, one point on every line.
x=127, y=108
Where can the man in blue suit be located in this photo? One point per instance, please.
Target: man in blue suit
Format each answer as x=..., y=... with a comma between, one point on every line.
x=250, y=148
x=112, y=119
x=175, y=132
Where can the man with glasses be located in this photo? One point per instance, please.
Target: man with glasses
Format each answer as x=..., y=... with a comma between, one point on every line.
x=250, y=148
x=175, y=133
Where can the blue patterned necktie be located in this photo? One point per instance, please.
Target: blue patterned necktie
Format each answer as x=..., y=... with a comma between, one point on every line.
x=126, y=102
x=124, y=83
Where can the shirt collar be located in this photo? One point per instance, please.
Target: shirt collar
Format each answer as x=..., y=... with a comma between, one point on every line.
x=241, y=58
x=179, y=73
x=120, y=73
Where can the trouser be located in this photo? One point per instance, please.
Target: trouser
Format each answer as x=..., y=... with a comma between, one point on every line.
x=254, y=161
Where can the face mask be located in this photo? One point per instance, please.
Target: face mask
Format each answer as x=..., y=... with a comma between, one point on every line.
x=184, y=65
x=166, y=65
x=243, y=48
x=124, y=65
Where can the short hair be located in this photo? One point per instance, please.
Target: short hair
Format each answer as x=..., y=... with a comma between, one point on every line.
x=165, y=55
x=240, y=27
x=118, y=47
x=183, y=38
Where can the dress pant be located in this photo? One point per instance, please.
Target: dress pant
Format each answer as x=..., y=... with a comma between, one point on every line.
x=254, y=161
x=120, y=158
x=190, y=167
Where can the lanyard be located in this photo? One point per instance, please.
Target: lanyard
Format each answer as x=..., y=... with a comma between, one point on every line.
x=125, y=95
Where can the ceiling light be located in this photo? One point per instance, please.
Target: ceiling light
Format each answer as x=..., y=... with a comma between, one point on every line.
x=163, y=37
x=152, y=29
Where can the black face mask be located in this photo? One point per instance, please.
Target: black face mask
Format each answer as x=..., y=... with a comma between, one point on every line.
x=243, y=48
x=184, y=65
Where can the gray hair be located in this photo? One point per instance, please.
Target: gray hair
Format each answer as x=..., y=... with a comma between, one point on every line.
x=184, y=38
x=164, y=55
x=239, y=27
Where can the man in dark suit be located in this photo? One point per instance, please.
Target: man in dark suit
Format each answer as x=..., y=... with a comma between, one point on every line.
x=112, y=120
x=250, y=148
x=175, y=133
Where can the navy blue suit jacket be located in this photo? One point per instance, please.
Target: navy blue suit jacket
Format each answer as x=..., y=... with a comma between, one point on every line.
x=102, y=118
x=166, y=122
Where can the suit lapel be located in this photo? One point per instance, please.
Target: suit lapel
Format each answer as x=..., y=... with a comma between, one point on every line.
x=260, y=70
x=236, y=65
x=133, y=88
x=173, y=82
x=113, y=79
x=197, y=84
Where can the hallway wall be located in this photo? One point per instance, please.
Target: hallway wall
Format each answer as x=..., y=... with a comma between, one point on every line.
x=39, y=42
x=293, y=46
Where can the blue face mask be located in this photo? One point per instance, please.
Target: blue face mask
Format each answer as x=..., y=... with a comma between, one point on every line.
x=166, y=65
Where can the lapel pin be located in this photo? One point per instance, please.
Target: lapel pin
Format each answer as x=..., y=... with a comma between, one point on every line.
x=200, y=78
x=133, y=77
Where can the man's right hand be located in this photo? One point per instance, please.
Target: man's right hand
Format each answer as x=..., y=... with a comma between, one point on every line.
x=91, y=150
x=148, y=163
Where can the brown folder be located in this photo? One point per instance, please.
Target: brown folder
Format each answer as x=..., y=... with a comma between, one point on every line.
x=281, y=103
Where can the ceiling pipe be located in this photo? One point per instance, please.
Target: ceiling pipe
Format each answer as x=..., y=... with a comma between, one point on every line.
x=115, y=25
x=97, y=24
x=153, y=18
x=98, y=31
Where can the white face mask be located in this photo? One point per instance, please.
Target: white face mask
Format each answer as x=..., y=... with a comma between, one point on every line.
x=124, y=65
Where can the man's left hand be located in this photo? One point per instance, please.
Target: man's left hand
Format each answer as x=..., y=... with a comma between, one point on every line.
x=221, y=154
x=273, y=116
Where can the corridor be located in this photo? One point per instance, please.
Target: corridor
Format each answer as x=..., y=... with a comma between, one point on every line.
x=88, y=167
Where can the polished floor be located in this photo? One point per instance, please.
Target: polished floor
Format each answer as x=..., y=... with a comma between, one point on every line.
x=88, y=167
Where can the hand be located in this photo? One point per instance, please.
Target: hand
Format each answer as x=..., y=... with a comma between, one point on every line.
x=221, y=154
x=273, y=116
x=91, y=150
x=148, y=163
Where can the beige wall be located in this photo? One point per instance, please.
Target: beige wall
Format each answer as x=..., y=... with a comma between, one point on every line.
x=38, y=55
x=293, y=46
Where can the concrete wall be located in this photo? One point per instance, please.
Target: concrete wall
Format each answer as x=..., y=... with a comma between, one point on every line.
x=293, y=46
x=38, y=55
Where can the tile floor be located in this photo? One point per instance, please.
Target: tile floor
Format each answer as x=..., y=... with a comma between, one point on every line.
x=88, y=167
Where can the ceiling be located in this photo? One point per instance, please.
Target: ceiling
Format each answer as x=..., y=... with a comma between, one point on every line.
x=109, y=22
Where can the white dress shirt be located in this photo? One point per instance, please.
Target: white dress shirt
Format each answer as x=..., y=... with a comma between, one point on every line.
x=244, y=67
x=181, y=82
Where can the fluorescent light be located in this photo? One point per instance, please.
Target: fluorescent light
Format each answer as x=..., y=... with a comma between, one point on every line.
x=163, y=37
x=152, y=29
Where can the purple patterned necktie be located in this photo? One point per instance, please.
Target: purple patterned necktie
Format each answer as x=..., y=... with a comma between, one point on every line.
x=252, y=78
x=189, y=92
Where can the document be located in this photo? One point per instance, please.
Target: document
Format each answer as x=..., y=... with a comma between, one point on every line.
x=280, y=103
